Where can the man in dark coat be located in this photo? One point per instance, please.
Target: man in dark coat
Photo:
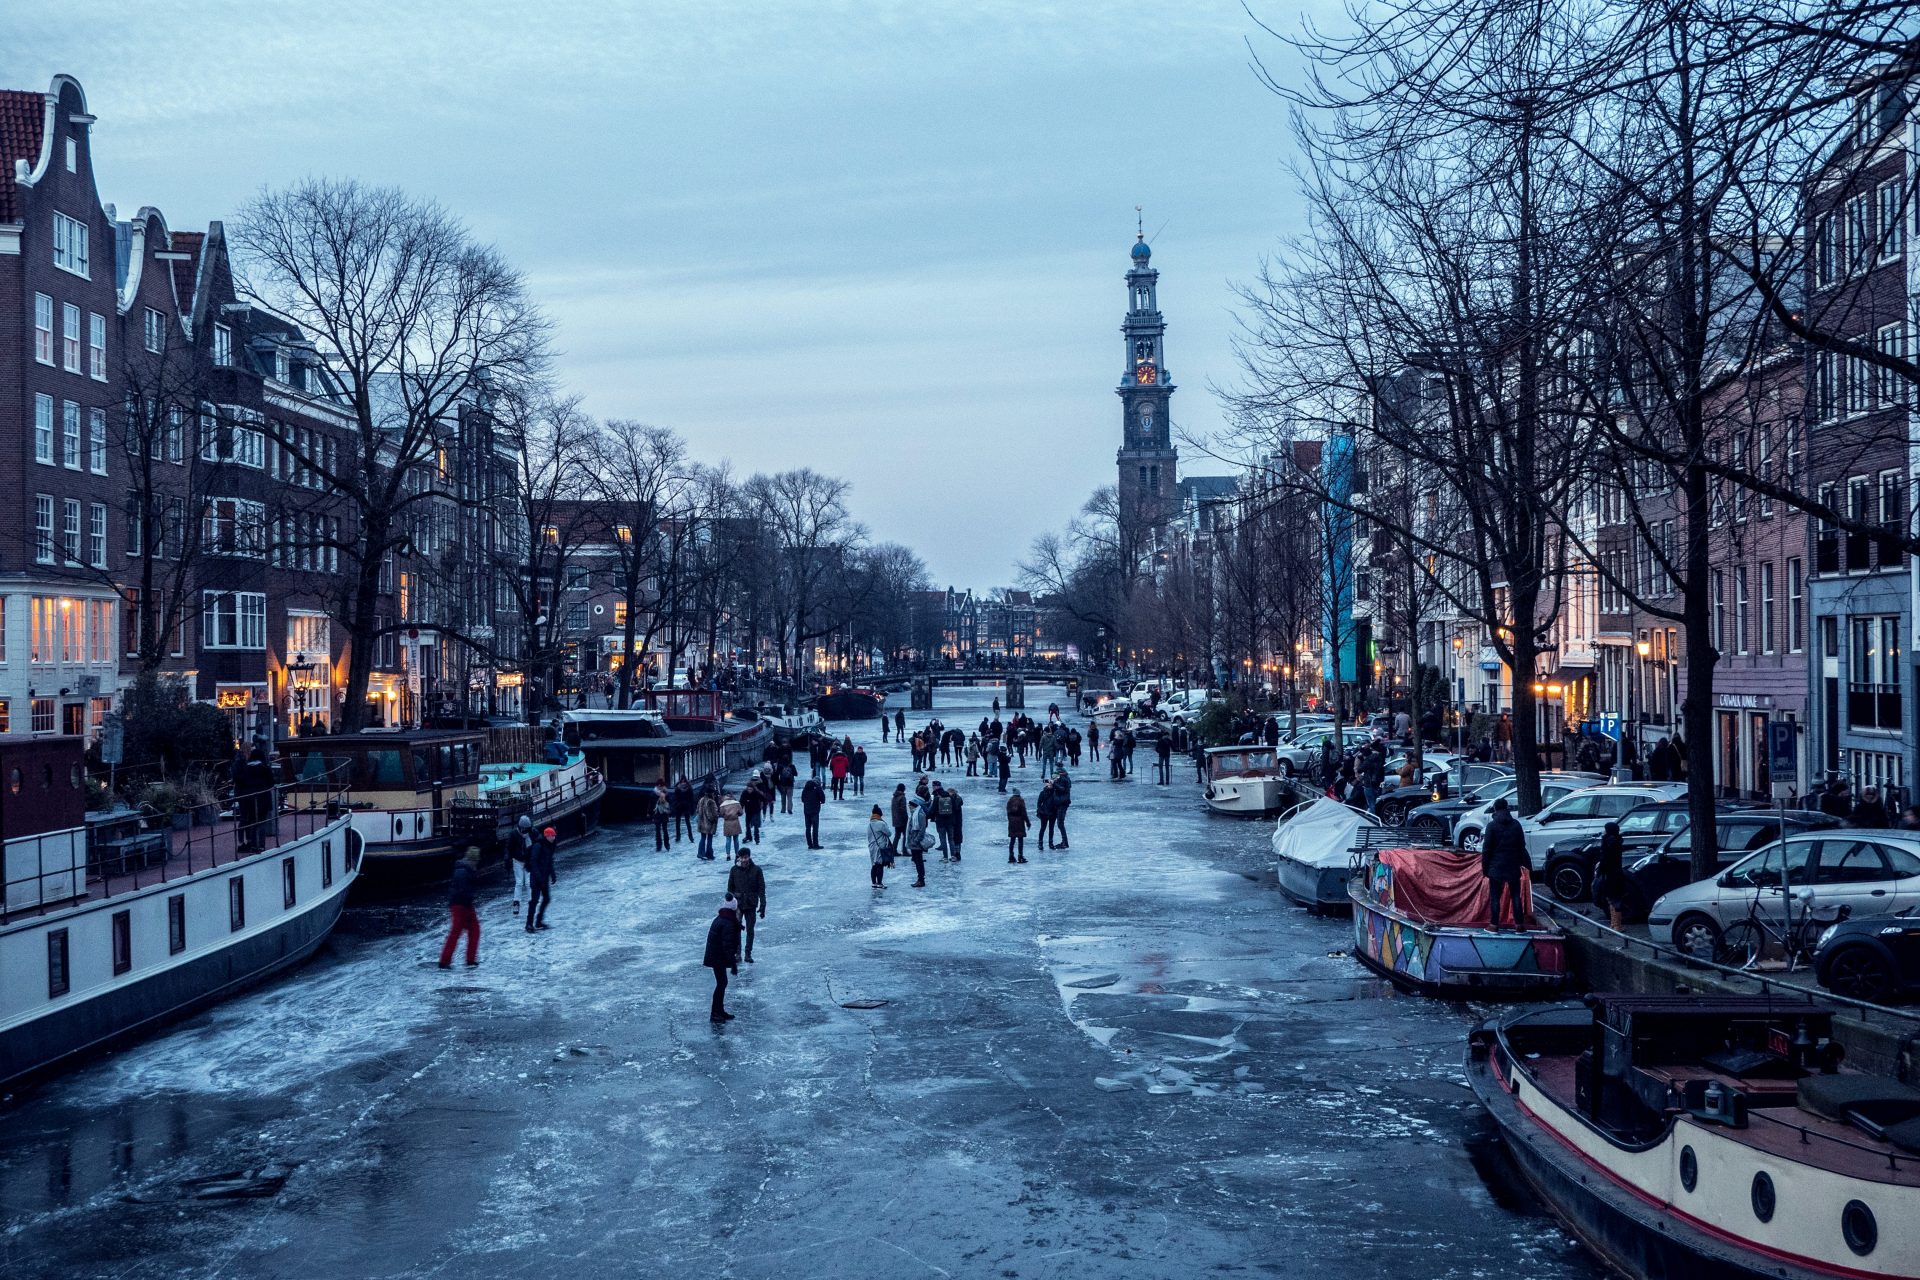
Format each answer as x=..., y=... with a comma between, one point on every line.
x=747, y=885
x=1503, y=854
x=540, y=878
x=253, y=790
x=683, y=805
x=750, y=803
x=898, y=814
x=723, y=955
x=1005, y=759
x=1062, y=801
x=1163, y=748
x=812, y=797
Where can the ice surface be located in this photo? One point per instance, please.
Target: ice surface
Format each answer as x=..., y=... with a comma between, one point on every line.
x=1129, y=1058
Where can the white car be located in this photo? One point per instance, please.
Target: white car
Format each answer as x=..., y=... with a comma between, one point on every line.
x=1552, y=824
x=1870, y=872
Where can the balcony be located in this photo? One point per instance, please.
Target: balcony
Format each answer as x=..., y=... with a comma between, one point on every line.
x=1873, y=706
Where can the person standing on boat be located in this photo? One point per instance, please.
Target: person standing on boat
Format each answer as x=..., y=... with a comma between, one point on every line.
x=812, y=797
x=879, y=847
x=1503, y=852
x=519, y=849
x=460, y=908
x=708, y=823
x=723, y=955
x=857, y=770
x=730, y=813
x=747, y=885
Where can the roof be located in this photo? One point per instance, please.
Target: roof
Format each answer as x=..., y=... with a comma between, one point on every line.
x=1210, y=488
x=23, y=115
x=186, y=271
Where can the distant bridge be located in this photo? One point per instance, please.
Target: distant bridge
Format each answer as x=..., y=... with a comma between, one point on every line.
x=920, y=684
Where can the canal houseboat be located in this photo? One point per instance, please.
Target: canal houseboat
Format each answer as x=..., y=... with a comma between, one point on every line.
x=1419, y=919
x=683, y=734
x=844, y=702
x=418, y=799
x=1706, y=1136
x=106, y=938
x=1245, y=781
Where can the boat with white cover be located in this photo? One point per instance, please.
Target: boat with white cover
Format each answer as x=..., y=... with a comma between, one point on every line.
x=1313, y=851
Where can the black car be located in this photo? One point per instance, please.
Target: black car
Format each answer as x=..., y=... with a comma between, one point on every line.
x=1876, y=958
x=1736, y=834
x=1568, y=873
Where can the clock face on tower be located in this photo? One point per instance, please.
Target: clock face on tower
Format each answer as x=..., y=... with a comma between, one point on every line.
x=1144, y=373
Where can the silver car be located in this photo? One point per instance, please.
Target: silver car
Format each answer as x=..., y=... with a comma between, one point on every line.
x=1467, y=832
x=1870, y=872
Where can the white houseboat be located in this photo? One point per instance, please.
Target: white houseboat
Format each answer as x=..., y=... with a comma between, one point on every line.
x=106, y=939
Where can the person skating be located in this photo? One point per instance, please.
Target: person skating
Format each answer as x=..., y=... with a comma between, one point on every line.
x=883, y=726
x=1004, y=759
x=519, y=846
x=899, y=724
x=1016, y=827
x=1093, y=742
x=541, y=878
x=464, y=920
x=879, y=847
x=942, y=819
x=708, y=823
x=662, y=817
x=812, y=797
x=899, y=815
x=723, y=955
x=750, y=806
x=918, y=842
x=747, y=885
x=731, y=813
x=1046, y=807
x=1062, y=800
x=1503, y=853
x=838, y=766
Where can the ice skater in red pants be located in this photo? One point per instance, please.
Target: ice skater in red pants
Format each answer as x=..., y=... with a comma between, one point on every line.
x=460, y=905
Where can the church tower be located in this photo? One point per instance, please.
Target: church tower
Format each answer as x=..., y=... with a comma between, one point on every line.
x=1147, y=457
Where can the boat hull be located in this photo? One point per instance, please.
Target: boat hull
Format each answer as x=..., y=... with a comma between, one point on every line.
x=1634, y=1236
x=1248, y=797
x=1449, y=960
x=1321, y=889
x=850, y=704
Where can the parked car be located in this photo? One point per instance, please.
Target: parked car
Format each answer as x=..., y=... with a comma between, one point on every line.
x=1554, y=789
x=1396, y=801
x=1442, y=817
x=1669, y=864
x=1568, y=874
x=1873, y=873
x=1876, y=959
x=1464, y=775
x=1586, y=812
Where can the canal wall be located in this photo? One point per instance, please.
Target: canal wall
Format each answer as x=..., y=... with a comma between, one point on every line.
x=1881, y=1040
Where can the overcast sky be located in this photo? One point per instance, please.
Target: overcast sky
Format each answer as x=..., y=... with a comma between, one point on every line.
x=882, y=238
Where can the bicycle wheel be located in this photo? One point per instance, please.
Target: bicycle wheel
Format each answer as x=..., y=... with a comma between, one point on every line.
x=1741, y=945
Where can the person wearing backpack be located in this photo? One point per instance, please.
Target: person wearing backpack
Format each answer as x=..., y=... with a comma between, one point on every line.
x=943, y=820
x=918, y=842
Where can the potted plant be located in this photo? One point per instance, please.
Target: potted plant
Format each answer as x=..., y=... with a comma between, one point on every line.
x=201, y=798
x=163, y=800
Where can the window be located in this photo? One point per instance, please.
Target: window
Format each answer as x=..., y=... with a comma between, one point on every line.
x=1766, y=607
x=97, y=347
x=233, y=620
x=1873, y=678
x=43, y=429
x=43, y=328
x=122, y=942
x=70, y=530
x=623, y=532
x=222, y=439
x=69, y=244
x=1893, y=226
x=1740, y=608
x=235, y=527
x=222, y=345
x=136, y=524
x=1796, y=606
x=70, y=338
x=99, y=634
x=154, y=330
x=176, y=924
x=620, y=613
x=42, y=711
x=97, y=441
x=326, y=864
x=59, y=977
x=1719, y=605
x=42, y=528
x=70, y=435
x=286, y=882
x=576, y=617
x=97, y=535
x=236, y=904
x=1888, y=387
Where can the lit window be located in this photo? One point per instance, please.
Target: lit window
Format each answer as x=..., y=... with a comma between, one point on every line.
x=623, y=532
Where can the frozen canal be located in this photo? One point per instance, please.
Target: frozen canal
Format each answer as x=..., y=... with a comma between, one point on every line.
x=1131, y=1058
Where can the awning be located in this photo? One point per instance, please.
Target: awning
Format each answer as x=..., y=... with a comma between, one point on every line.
x=1571, y=672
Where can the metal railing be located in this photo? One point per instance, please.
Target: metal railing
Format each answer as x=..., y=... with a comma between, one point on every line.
x=156, y=850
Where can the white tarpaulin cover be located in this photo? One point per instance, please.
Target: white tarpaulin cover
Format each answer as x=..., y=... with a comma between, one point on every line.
x=1321, y=834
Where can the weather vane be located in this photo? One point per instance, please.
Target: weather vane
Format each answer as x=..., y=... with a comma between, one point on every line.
x=1140, y=223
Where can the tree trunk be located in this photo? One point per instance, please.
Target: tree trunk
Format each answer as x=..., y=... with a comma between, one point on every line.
x=361, y=628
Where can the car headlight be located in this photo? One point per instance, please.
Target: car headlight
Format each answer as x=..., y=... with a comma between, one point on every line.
x=1826, y=935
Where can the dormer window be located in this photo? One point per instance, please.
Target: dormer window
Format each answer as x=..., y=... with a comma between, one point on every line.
x=156, y=331
x=70, y=244
x=222, y=345
x=281, y=369
x=73, y=156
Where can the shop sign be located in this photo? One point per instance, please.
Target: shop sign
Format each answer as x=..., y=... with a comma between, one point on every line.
x=233, y=699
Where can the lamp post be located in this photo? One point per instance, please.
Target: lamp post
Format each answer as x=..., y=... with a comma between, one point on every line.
x=1644, y=650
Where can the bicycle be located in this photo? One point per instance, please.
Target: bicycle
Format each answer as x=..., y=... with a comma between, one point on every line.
x=1745, y=942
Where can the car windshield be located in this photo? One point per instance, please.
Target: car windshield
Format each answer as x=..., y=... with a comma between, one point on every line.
x=1640, y=822
x=1490, y=791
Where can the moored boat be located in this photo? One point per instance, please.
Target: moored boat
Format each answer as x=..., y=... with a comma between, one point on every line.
x=636, y=748
x=105, y=939
x=1706, y=1136
x=1418, y=919
x=1313, y=849
x=844, y=702
x=1246, y=781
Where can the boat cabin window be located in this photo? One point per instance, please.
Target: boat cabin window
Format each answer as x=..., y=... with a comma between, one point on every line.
x=1254, y=761
x=383, y=769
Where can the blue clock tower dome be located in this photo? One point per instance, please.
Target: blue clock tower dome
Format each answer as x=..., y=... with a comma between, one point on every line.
x=1140, y=250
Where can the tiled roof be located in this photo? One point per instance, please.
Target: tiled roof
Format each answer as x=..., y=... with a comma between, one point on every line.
x=186, y=270
x=22, y=115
